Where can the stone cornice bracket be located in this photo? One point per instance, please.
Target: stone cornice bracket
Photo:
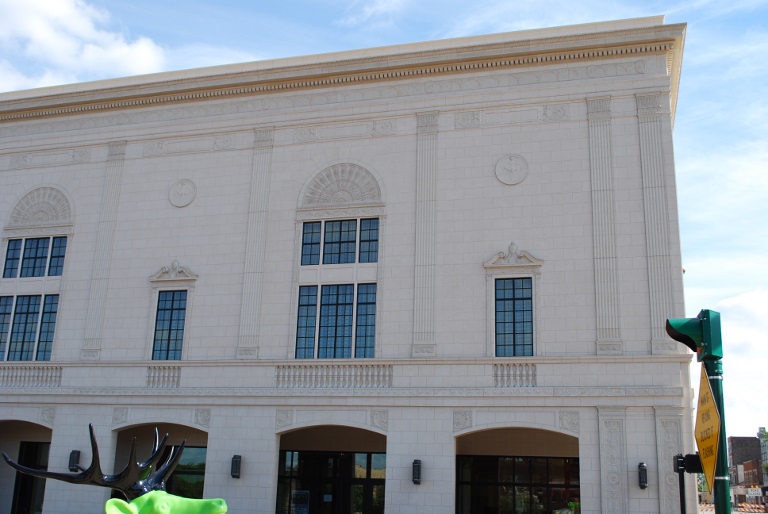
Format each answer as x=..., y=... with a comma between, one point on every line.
x=173, y=275
x=514, y=260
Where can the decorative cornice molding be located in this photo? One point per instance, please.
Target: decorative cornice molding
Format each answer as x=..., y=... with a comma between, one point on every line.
x=658, y=40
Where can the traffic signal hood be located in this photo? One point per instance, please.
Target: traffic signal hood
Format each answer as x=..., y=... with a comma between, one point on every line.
x=701, y=334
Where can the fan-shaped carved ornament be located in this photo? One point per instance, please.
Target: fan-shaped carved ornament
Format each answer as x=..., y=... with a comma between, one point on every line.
x=342, y=184
x=44, y=206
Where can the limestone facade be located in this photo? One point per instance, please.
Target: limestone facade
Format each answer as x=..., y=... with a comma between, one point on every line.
x=542, y=158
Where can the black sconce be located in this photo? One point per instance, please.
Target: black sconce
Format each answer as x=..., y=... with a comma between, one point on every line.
x=235, y=469
x=417, y=471
x=74, y=461
x=642, y=474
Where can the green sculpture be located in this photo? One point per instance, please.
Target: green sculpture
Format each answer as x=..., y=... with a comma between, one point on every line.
x=142, y=483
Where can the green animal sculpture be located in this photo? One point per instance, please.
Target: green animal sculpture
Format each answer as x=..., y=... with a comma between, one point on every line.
x=142, y=483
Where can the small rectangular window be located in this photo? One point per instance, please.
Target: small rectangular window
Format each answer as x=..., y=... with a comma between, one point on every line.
x=56, y=265
x=514, y=317
x=169, y=325
x=35, y=257
x=339, y=244
x=369, y=240
x=310, y=243
x=12, y=258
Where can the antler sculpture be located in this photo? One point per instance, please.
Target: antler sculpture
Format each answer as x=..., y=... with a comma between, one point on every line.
x=136, y=479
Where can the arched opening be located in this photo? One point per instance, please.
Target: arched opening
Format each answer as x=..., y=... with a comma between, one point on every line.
x=29, y=445
x=517, y=471
x=188, y=479
x=331, y=470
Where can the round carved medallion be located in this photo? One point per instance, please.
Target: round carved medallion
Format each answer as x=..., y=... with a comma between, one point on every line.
x=511, y=169
x=182, y=193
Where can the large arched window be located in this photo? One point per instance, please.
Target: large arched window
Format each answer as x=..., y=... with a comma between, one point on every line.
x=35, y=244
x=340, y=219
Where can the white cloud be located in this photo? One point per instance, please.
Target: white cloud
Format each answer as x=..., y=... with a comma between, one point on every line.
x=67, y=39
x=361, y=12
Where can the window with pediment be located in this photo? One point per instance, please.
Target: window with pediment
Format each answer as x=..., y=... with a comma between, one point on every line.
x=340, y=218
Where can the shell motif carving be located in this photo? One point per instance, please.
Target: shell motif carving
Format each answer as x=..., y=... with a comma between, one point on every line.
x=42, y=206
x=343, y=183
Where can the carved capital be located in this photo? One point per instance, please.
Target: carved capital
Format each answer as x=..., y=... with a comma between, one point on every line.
x=427, y=122
x=599, y=107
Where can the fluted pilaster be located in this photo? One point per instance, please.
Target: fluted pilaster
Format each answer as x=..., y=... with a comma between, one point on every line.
x=426, y=215
x=255, y=250
x=607, y=303
x=656, y=209
x=102, y=260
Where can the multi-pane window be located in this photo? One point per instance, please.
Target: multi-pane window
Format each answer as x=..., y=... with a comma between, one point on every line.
x=346, y=325
x=514, y=317
x=27, y=324
x=169, y=325
x=188, y=478
x=35, y=257
x=340, y=241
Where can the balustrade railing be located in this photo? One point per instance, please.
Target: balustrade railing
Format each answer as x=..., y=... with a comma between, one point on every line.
x=30, y=376
x=514, y=375
x=333, y=375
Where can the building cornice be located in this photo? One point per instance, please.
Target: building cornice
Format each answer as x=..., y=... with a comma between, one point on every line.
x=341, y=69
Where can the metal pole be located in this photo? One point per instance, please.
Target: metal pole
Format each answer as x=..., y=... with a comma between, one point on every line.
x=722, y=492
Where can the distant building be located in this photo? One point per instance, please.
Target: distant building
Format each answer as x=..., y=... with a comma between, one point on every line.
x=324, y=271
x=762, y=435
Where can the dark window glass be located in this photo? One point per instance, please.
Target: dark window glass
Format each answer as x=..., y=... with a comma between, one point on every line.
x=24, y=330
x=169, y=325
x=59, y=248
x=12, y=258
x=35, y=257
x=310, y=243
x=339, y=242
x=369, y=240
x=305, y=329
x=335, y=331
x=47, y=327
x=525, y=485
x=6, y=305
x=188, y=479
x=514, y=317
x=365, y=333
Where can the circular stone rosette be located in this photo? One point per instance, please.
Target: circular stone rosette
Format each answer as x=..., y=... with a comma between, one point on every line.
x=182, y=193
x=511, y=169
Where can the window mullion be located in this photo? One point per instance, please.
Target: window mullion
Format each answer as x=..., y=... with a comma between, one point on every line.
x=355, y=288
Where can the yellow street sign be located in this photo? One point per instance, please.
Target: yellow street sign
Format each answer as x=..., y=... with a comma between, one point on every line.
x=707, y=429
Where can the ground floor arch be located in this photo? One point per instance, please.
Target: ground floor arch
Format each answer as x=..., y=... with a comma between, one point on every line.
x=28, y=444
x=188, y=479
x=517, y=471
x=331, y=470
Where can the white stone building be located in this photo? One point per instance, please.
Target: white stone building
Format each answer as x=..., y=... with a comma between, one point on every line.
x=458, y=252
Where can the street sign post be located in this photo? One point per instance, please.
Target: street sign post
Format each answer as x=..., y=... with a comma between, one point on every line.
x=707, y=429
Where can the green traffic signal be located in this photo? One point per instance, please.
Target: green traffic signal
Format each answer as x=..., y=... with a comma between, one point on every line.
x=701, y=334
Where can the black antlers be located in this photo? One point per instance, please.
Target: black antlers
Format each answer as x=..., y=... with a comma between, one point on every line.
x=134, y=480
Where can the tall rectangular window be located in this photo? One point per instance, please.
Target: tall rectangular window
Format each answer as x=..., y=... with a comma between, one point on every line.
x=47, y=326
x=6, y=308
x=169, y=325
x=35, y=257
x=346, y=324
x=514, y=317
x=340, y=241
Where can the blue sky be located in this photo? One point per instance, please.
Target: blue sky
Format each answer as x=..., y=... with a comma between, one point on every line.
x=721, y=129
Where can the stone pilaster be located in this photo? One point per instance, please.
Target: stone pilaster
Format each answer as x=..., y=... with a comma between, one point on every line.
x=613, y=460
x=668, y=443
x=607, y=303
x=650, y=117
x=255, y=250
x=102, y=260
x=426, y=219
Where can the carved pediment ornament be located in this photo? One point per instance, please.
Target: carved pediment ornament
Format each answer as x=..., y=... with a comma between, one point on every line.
x=173, y=273
x=512, y=258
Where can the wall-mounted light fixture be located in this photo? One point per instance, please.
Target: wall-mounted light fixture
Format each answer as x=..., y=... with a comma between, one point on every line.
x=74, y=461
x=642, y=475
x=416, y=471
x=235, y=469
